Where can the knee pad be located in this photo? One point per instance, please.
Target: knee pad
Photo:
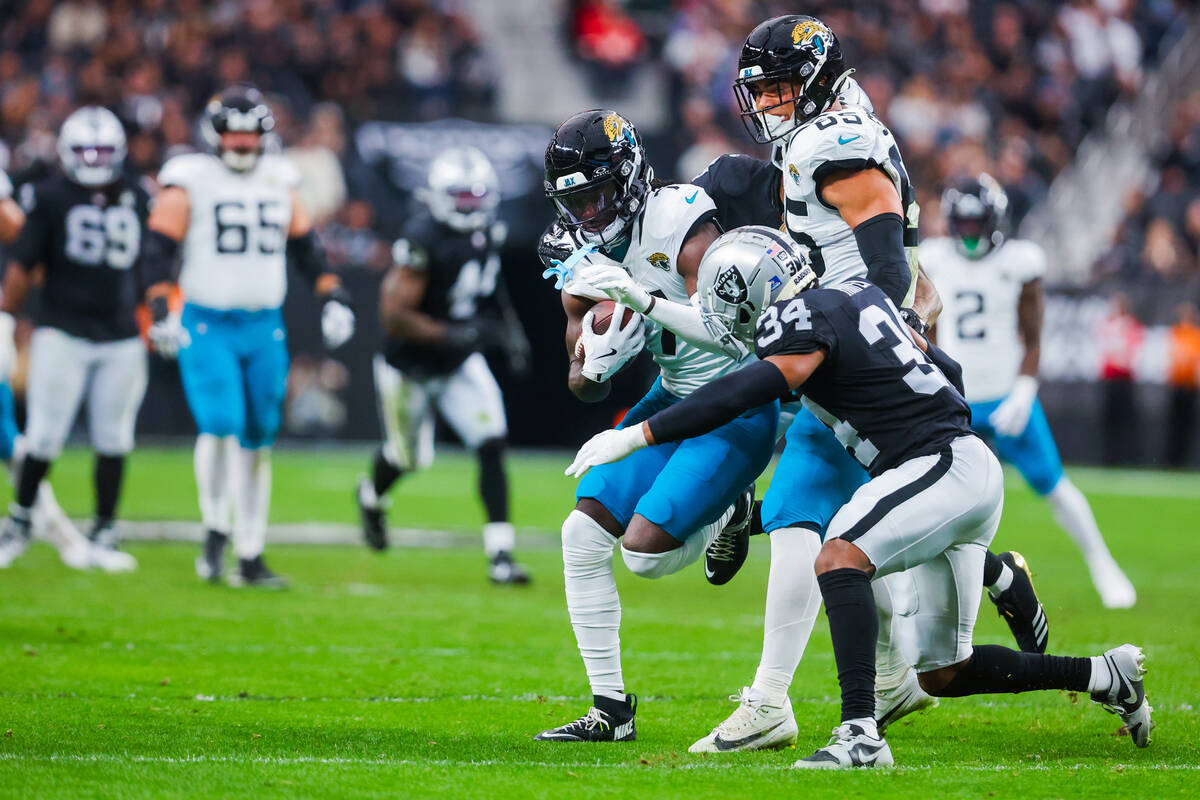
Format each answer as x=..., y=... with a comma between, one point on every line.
x=584, y=540
x=649, y=565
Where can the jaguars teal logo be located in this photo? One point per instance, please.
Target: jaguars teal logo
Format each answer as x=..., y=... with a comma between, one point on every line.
x=659, y=260
x=795, y=173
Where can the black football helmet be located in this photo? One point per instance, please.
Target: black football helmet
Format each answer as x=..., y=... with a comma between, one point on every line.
x=976, y=215
x=597, y=175
x=239, y=108
x=796, y=57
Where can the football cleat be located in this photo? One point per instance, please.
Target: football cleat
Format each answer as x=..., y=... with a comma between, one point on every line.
x=754, y=725
x=1114, y=588
x=211, y=561
x=1020, y=607
x=1127, y=696
x=851, y=746
x=255, y=572
x=502, y=569
x=104, y=552
x=14, y=539
x=900, y=701
x=727, y=553
x=372, y=511
x=607, y=720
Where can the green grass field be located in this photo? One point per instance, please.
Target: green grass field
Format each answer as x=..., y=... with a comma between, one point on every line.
x=407, y=675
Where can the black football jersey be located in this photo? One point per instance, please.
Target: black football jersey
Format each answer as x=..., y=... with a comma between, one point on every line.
x=462, y=267
x=88, y=240
x=883, y=398
x=746, y=191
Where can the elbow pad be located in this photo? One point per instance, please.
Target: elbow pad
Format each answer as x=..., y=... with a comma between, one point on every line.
x=157, y=261
x=686, y=321
x=881, y=245
x=307, y=257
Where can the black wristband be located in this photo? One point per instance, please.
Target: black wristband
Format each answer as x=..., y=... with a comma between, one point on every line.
x=337, y=294
x=156, y=264
x=158, y=309
x=306, y=256
x=913, y=320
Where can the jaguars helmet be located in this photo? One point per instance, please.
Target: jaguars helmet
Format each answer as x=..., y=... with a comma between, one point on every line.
x=239, y=108
x=463, y=190
x=743, y=272
x=91, y=146
x=976, y=215
x=597, y=175
x=796, y=57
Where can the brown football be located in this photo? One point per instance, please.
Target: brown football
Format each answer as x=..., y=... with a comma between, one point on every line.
x=602, y=315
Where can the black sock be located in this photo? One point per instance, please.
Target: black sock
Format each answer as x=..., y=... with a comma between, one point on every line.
x=107, y=475
x=31, y=473
x=383, y=474
x=992, y=567
x=854, y=628
x=993, y=669
x=493, y=480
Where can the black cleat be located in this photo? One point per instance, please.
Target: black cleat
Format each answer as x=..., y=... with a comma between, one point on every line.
x=727, y=553
x=502, y=569
x=373, y=514
x=255, y=572
x=211, y=561
x=1020, y=607
x=606, y=721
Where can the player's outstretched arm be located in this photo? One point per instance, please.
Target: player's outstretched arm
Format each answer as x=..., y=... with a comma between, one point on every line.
x=869, y=203
x=1012, y=415
x=306, y=255
x=704, y=410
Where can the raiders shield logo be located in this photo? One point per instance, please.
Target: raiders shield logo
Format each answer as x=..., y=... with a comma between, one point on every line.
x=731, y=287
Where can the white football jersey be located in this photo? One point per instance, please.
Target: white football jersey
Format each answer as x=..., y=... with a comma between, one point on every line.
x=233, y=255
x=978, y=323
x=655, y=240
x=849, y=138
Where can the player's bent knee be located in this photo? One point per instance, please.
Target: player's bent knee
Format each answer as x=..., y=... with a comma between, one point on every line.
x=643, y=536
x=648, y=565
x=840, y=554
x=595, y=510
x=492, y=450
x=934, y=682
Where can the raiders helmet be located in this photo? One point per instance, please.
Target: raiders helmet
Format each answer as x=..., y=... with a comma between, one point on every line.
x=976, y=215
x=239, y=108
x=91, y=146
x=463, y=190
x=793, y=56
x=743, y=272
x=597, y=175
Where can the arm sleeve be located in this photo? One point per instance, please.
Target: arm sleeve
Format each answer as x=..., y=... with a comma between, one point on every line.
x=949, y=367
x=881, y=245
x=306, y=256
x=156, y=262
x=719, y=402
x=687, y=322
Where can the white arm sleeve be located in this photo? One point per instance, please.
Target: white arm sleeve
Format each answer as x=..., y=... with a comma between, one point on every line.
x=686, y=322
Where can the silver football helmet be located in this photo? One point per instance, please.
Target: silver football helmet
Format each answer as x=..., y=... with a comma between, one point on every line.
x=91, y=146
x=743, y=272
x=464, y=189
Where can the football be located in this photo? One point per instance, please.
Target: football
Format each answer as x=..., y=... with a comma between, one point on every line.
x=602, y=314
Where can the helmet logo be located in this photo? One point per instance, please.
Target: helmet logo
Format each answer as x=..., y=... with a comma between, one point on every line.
x=809, y=31
x=731, y=286
x=659, y=260
x=614, y=126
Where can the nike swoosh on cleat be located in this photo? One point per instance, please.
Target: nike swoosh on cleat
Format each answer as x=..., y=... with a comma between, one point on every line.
x=692, y=199
x=848, y=139
x=864, y=754
x=734, y=744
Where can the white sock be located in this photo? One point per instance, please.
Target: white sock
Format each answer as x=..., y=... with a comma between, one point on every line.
x=656, y=565
x=213, y=462
x=1074, y=515
x=252, y=492
x=867, y=724
x=592, y=601
x=793, y=600
x=1101, y=678
x=1003, y=582
x=892, y=599
x=498, y=537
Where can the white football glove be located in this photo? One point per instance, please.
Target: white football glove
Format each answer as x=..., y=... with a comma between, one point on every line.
x=614, y=281
x=168, y=336
x=1012, y=415
x=606, y=447
x=605, y=353
x=337, y=324
x=8, y=347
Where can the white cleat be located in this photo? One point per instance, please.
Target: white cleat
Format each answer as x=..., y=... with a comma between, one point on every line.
x=110, y=560
x=900, y=701
x=1127, y=696
x=14, y=541
x=53, y=525
x=851, y=746
x=1114, y=588
x=754, y=725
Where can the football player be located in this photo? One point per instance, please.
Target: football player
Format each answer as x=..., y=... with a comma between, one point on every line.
x=838, y=185
x=993, y=327
x=441, y=305
x=235, y=219
x=639, y=243
x=84, y=227
x=931, y=506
